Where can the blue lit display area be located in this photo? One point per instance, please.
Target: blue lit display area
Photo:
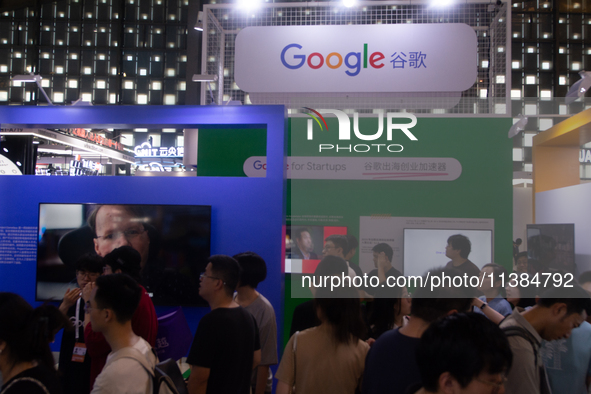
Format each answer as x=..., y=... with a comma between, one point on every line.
x=247, y=213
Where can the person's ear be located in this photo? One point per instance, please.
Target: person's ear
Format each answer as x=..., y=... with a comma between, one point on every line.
x=559, y=309
x=109, y=315
x=447, y=383
x=219, y=285
x=96, y=246
x=453, y=312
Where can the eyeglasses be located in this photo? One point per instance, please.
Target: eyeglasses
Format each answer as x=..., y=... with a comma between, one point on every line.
x=90, y=275
x=204, y=275
x=497, y=386
x=88, y=307
x=128, y=234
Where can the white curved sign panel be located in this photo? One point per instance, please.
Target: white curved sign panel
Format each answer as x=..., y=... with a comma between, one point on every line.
x=356, y=58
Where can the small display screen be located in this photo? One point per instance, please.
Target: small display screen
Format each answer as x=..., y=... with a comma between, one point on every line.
x=424, y=249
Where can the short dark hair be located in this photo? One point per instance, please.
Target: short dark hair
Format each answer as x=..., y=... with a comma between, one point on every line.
x=134, y=210
x=585, y=277
x=576, y=299
x=298, y=233
x=384, y=247
x=499, y=272
x=339, y=241
x=386, y=304
x=341, y=307
x=90, y=262
x=520, y=255
x=462, y=243
x=120, y=293
x=352, y=243
x=429, y=305
x=465, y=345
x=254, y=269
x=331, y=266
x=227, y=269
x=27, y=331
x=126, y=259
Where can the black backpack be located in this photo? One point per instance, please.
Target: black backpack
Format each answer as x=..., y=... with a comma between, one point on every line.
x=518, y=331
x=166, y=375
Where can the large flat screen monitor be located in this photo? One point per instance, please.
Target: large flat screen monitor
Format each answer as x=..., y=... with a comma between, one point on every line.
x=424, y=249
x=173, y=241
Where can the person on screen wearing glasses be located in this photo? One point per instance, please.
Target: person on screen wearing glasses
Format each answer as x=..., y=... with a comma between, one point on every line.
x=119, y=225
x=128, y=225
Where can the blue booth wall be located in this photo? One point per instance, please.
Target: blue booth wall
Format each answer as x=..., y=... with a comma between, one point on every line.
x=247, y=213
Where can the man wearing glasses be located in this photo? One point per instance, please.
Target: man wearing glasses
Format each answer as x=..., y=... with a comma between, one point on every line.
x=226, y=347
x=74, y=363
x=115, y=226
x=463, y=353
x=126, y=260
x=119, y=225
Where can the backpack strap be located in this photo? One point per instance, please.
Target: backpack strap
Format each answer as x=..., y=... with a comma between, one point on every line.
x=133, y=353
x=517, y=331
x=27, y=379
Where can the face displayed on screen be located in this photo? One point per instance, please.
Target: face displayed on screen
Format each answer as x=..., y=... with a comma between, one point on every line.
x=116, y=227
x=305, y=242
x=521, y=265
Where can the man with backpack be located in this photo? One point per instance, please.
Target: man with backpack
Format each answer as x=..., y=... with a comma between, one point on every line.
x=556, y=313
x=112, y=304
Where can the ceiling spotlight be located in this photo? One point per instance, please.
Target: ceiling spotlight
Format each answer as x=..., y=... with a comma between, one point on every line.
x=518, y=127
x=248, y=4
x=204, y=78
x=33, y=78
x=199, y=24
x=349, y=3
x=441, y=3
x=579, y=88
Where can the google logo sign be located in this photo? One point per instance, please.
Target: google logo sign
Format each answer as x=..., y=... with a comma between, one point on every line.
x=354, y=61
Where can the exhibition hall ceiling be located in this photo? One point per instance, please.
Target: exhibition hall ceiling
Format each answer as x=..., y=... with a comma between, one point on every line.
x=11, y=5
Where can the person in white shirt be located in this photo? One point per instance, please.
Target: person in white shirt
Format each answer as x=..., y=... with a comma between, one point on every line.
x=112, y=303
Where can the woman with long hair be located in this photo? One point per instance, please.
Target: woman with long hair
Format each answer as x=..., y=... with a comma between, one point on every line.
x=26, y=362
x=329, y=358
x=390, y=309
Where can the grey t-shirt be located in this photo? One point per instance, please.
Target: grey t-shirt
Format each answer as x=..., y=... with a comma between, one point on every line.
x=524, y=377
x=263, y=313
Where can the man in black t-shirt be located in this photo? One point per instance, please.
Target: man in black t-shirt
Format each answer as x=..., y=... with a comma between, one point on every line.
x=226, y=346
x=458, y=248
x=390, y=365
x=382, y=259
